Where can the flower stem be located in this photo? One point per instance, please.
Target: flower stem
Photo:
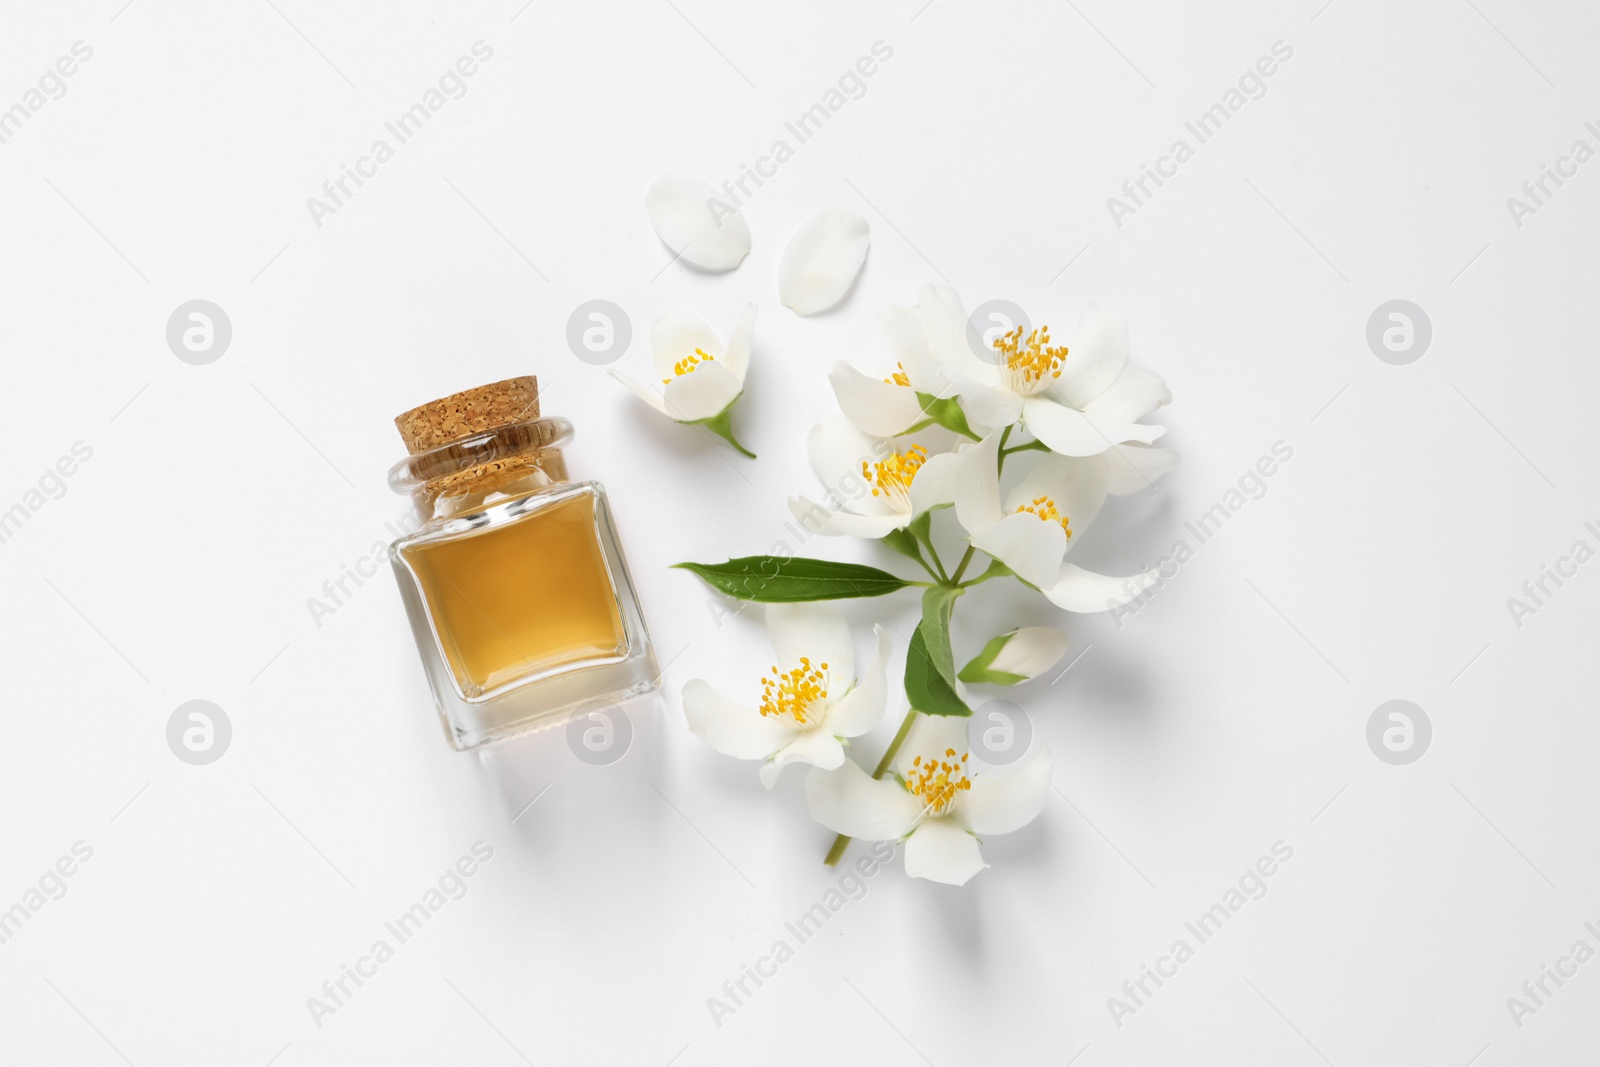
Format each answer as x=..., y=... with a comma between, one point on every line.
x=894, y=746
x=961, y=568
x=936, y=575
x=933, y=554
x=841, y=842
x=996, y=570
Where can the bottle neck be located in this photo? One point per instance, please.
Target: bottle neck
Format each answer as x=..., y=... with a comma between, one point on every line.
x=484, y=469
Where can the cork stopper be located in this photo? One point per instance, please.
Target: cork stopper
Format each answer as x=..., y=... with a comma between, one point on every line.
x=512, y=455
x=469, y=412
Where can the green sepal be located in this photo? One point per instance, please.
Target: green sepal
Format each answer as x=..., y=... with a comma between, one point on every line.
x=721, y=424
x=944, y=412
x=921, y=528
x=904, y=542
x=978, y=670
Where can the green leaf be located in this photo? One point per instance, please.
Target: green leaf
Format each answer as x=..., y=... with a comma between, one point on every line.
x=979, y=670
x=947, y=413
x=721, y=424
x=925, y=689
x=937, y=604
x=930, y=666
x=786, y=579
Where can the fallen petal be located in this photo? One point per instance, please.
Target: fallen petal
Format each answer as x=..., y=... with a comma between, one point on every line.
x=822, y=261
x=695, y=223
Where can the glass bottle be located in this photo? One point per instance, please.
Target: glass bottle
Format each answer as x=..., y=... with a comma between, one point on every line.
x=515, y=584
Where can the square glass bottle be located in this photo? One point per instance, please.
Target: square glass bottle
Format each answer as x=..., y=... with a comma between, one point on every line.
x=515, y=584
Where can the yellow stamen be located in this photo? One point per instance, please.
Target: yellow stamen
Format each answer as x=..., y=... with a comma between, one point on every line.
x=1032, y=359
x=937, y=782
x=898, y=377
x=690, y=364
x=1045, y=508
x=892, y=476
x=795, y=693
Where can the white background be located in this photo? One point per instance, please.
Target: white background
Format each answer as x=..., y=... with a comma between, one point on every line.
x=1227, y=715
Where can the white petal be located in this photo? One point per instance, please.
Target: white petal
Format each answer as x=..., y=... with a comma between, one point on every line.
x=837, y=450
x=1130, y=468
x=1029, y=545
x=701, y=393
x=949, y=334
x=988, y=405
x=849, y=801
x=935, y=483
x=817, y=631
x=1085, y=591
x=1095, y=357
x=821, y=520
x=942, y=303
x=1031, y=651
x=1006, y=801
x=676, y=336
x=978, y=485
x=876, y=407
x=816, y=747
x=732, y=728
x=822, y=261
x=649, y=394
x=1077, y=487
x=941, y=851
x=691, y=220
x=737, y=357
x=932, y=737
x=1131, y=397
x=908, y=343
x=860, y=709
x=1072, y=433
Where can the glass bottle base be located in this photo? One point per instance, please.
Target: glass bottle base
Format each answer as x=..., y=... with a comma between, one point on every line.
x=550, y=703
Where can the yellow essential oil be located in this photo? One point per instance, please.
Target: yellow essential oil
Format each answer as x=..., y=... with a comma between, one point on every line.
x=529, y=596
